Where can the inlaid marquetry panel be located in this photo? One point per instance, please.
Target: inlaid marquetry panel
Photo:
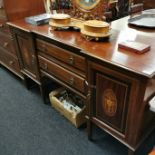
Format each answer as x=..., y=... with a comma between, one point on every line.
x=111, y=101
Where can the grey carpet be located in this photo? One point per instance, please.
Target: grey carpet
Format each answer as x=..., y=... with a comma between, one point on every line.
x=29, y=127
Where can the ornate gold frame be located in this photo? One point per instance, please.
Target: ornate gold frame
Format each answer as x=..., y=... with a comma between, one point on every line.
x=87, y=8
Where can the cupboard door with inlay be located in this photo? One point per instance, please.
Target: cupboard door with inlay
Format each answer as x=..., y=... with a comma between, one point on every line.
x=26, y=52
x=111, y=101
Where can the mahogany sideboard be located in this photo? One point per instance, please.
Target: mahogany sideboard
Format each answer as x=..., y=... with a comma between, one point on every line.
x=116, y=85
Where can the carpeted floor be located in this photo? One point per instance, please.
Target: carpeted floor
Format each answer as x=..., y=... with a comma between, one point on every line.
x=29, y=127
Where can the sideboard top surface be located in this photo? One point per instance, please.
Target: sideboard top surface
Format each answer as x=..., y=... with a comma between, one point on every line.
x=106, y=51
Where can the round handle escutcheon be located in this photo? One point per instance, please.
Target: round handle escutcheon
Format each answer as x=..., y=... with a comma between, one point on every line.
x=71, y=81
x=44, y=47
x=45, y=66
x=5, y=44
x=71, y=60
x=11, y=62
x=33, y=59
x=1, y=25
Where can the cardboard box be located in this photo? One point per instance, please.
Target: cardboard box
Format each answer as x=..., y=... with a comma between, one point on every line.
x=76, y=118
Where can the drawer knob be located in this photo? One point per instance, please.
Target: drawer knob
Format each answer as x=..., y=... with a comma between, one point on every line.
x=45, y=66
x=44, y=47
x=71, y=81
x=5, y=44
x=33, y=59
x=1, y=25
x=11, y=62
x=71, y=60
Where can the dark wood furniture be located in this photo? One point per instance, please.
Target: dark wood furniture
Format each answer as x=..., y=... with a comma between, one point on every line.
x=116, y=85
x=148, y=4
x=10, y=11
x=8, y=56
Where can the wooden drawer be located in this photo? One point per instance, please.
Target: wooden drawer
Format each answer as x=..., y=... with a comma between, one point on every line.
x=7, y=44
x=64, y=75
x=69, y=58
x=4, y=28
x=10, y=61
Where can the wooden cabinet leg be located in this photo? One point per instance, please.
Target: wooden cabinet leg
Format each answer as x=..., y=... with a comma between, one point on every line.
x=131, y=152
x=90, y=129
x=44, y=94
x=29, y=84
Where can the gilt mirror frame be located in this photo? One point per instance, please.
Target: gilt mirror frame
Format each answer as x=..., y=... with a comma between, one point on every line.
x=89, y=9
x=87, y=4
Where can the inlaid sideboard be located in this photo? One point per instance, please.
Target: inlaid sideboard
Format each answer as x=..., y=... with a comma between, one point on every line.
x=116, y=85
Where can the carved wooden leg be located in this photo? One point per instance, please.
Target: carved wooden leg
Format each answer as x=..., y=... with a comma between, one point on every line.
x=89, y=129
x=131, y=152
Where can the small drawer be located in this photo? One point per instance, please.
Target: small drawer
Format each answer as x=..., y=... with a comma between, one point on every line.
x=64, y=75
x=4, y=28
x=65, y=56
x=7, y=44
x=9, y=60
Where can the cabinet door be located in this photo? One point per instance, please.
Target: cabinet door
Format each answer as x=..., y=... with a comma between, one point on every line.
x=110, y=98
x=111, y=101
x=27, y=55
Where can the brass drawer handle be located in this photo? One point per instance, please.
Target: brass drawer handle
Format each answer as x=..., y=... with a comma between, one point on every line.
x=45, y=66
x=5, y=44
x=71, y=81
x=44, y=47
x=11, y=62
x=1, y=25
x=71, y=60
x=33, y=60
x=1, y=7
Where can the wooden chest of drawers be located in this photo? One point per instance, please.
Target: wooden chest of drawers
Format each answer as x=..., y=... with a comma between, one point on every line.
x=8, y=55
x=11, y=11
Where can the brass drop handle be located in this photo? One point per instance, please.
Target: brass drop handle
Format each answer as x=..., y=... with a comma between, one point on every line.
x=1, y=25
x=71, y=81
x=45, y=66
x=44, y=47
x=5, y=44
x=11, y=62
x=33, y=59
x=71, y=60
x=1, y=7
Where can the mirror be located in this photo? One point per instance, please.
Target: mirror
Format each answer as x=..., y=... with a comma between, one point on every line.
x=87, y=4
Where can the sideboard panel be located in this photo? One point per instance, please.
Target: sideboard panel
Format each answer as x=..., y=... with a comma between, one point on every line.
x=27, y=54
x=111, y=101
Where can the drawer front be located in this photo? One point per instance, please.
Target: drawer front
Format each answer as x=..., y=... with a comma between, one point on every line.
x=4, y=27
x=7, y=44
x=64, y=75
x=69, y=58
x=9, y=60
